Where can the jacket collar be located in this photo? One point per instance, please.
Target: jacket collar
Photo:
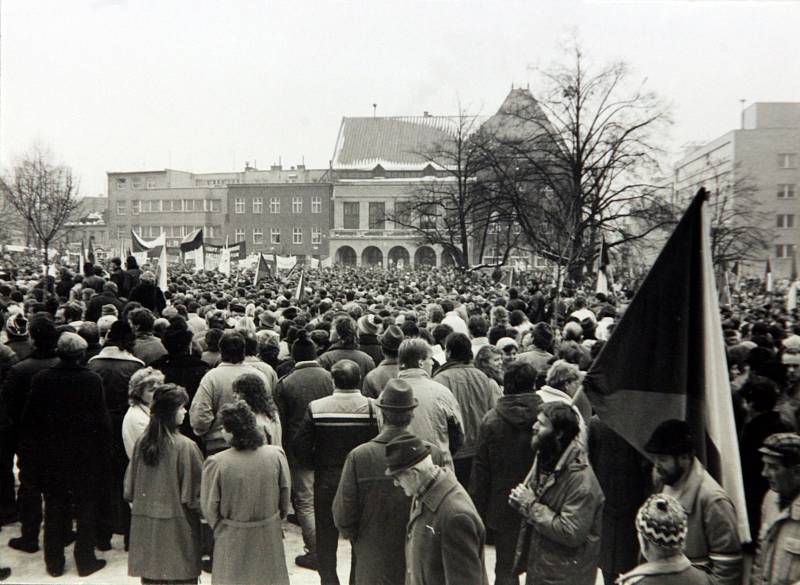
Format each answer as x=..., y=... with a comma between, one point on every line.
x=554, y=393
x=444, y=483
x=112, y=352
x=573, y=459
x=660, y=567
x=413, y=373
x=389, y=362
x=307, y=364
x=453, y=365
x=387, y=434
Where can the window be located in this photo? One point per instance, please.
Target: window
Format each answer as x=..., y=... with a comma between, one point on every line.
x=274, y=235
x=238, y=235
x=316, y=205
x=188, y=204
x=151, y=183
x=316, y=235
x=784, y=250
x=238, y=205
x=297, y=235
x=402, y=211
x=174, y=205
x=427, y=217
x=786, y=191
x=258, y=205
x=787, y=160
x=212, y=205
x=122, y=233
x=785, y=220
x=350, y=209
x=122, y=183
x=122, y=207
x=297, y=205
x=377, y=215
x=274, y=205
x=136, y=183
x=258, y=236
x=136, y=207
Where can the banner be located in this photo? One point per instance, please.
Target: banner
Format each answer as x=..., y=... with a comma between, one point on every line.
x=238, y=250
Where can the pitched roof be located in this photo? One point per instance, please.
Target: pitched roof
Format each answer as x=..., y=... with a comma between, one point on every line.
x=392, y=142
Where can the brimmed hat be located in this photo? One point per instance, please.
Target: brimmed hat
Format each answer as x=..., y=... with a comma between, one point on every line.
x=397, y=395
x=71, y=345
x=392, y=338
x=662, y=521
x=671, y=437
x=784, y=446
x=403, y=452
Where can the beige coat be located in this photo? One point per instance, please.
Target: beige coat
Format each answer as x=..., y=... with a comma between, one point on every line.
x=244, y=495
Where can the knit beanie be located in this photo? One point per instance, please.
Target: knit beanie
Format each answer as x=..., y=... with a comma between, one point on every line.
x=662, y=521
x=303, y=349
x=368, y=325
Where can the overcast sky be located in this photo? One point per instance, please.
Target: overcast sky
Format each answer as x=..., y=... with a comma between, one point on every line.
x=205, y=85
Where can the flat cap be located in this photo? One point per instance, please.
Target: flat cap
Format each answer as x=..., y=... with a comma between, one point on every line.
x=784, y=446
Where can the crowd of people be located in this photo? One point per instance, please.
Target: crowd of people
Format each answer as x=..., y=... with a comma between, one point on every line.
x=419, y=414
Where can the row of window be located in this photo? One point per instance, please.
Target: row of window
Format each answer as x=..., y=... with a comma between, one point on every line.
x=275, y=235
x=171, y=231
x=239, y=205
x=784, y=250
x=136, y=183
x=139, y=206
x=786, y=190
x=787, y=160
x=785, y=220
x=351, y=211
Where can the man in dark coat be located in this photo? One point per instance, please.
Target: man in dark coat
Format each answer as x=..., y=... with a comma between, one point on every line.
x=16, y=390
x=502, y=461
x=180, y=367
x=368, y=337
x=445, y=535
x=147, y=294
x=109, y=296
x=93, y=277
x=344, y=347
x=121, y=278
x=389, y=367
x=66, y=438
x=369, y=509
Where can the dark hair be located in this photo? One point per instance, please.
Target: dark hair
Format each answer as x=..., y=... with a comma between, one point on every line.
x=240, y=421
x=520, y=376
x=142, y=319
x=543, y=336
x=167, y=399
x=477, y=326
x=345, y=328
x=440, y=333
x=564, y=420
x=459, y=347
x=73, y=311
x=346, y=374
x=212, y=339
x=447, y=306
x=410, y=329
x=231, y=347
x=761, y=392
x=251, y=389
x=88, y=331
x=43, y=332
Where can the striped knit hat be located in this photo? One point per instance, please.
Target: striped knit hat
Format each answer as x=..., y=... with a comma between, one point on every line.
x=662, y=521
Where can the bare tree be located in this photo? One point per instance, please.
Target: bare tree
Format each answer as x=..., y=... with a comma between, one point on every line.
x=44, y=194
x=451, y=208
x=577, y=164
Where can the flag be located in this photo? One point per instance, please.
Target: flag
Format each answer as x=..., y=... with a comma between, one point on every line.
x=81, y=258
x=200, y=258
x=151, y=247
x=768, y=277
x=192, y=241
x=292, y=270
x=300, y=293
x=735, y=273
x=603, y=268
x=723, y=285
x=666, y=359
x=90, y=251
x=791, y=297
x=262, y=270
x=225, y=260
x=161, y=279
x=793, y=275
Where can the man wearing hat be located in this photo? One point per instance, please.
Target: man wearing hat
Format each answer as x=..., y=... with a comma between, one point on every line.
x=369, y=509
x=712, y=540
x=776, y=561
x=389, y=367
x=368, y=336
x=661, y=530
x=445, y=535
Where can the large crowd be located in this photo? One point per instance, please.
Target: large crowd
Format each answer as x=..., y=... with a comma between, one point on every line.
x=420, y=414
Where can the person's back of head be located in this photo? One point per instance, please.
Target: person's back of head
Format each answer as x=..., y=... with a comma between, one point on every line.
x=440, y=333
x=73, y=311
x=43, y=332
x=346, y=375
x=516, y=318
x=212, y=339
x=561, y=374
x=90, y=333
x=142, y=319
x=447, y=306
x=131, y=263
x=412, y=352
x=345, y=329
x=519, y=377
x=761, y=394
x=477, y=326
x=232, y=347
x=458, y=348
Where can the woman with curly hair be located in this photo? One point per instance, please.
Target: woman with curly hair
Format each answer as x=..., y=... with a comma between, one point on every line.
x=140, y=394
x=490, y=361
x=163, y=486
x=253, y=391
x=245, y=495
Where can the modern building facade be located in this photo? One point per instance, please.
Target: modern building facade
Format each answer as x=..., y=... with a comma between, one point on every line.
x=762, y=156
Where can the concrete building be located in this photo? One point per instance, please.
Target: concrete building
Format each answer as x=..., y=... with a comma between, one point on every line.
x=291, y=219
x=764, y=154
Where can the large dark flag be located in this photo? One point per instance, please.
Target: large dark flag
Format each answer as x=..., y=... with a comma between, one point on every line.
x=152, y=247
x=262, y=270
x=300, y=293
x=666, y=358
x=90, y=251
x=192, y=241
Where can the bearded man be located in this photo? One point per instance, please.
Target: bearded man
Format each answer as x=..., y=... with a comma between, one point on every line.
x=562, y=503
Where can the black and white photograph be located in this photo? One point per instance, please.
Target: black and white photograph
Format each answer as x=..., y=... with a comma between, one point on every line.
x=422, y=292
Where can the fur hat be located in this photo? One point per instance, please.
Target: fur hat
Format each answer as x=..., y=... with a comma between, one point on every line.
x=368, y=325
x=662, y=521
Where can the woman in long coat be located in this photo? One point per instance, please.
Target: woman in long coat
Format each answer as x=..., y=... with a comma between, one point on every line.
x=163, y=485
x=245, y=494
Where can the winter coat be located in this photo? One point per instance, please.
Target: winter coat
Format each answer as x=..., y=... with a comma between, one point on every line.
x=776, y=561
x=308, y=382
x=115, y=367
x=342, y=351
x=149, y=296
x=476, y=394
x=165, y=502
x=66, y=432
x=95, y=307
x=187, y=371
x=370, y=345
x=445, y=537
x=678, y=571
x=372, y=512
x=123, y=281
x=564, y=548
x=503, y=458
x=148, y=348
x=17, y=384
x=376, y=380
x=243, y=497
